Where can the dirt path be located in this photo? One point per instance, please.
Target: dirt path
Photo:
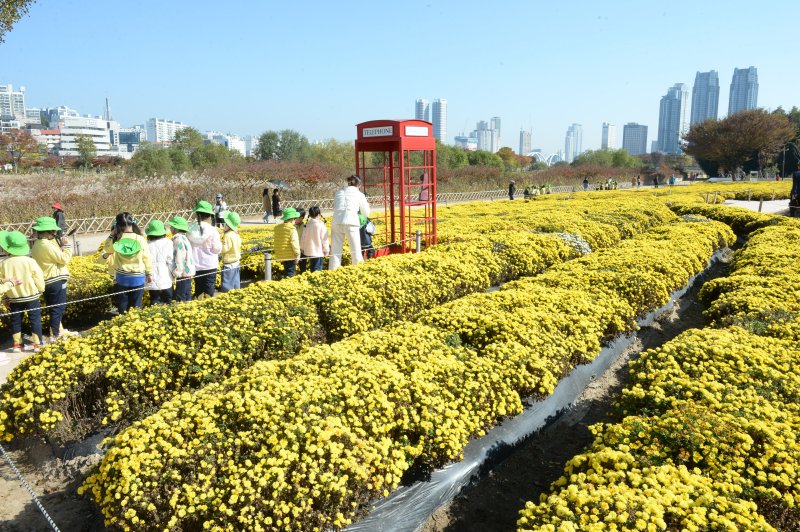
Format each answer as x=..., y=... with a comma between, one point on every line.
x=492, y=503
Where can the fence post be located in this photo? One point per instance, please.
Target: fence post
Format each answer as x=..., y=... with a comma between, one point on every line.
x=760, y=204
x=419, y=240
x=706, y=198
x=77, y=246
x=749, y=194
x=267, y=266
x=715, y=198
x=773, y=195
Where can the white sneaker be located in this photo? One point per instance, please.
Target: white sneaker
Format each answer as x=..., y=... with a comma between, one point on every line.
x=67, y=332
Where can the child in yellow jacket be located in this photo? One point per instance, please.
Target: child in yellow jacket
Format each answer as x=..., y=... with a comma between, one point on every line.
x=52, y=257
x=23, y=298
x=287, y=243
x=129, y=258
x=231, y=253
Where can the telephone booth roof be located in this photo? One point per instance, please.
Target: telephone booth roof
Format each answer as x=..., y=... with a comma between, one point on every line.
x=411, y=134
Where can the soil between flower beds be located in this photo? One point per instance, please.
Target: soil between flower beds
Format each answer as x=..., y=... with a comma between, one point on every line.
x=492, y=502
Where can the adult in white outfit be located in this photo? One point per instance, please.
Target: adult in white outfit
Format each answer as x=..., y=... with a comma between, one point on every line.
x=347, y=203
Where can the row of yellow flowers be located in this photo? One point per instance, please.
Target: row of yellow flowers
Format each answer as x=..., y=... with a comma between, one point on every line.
x=305, y=443
x=710, y=434
x=126, y=367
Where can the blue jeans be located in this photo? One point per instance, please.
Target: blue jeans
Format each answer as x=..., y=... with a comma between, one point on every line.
x=34, y=311
x=230, y=279
x=55, y=297
x=183, y=289
x=128, y=297
x=161, y=297
x=315, y=264
x=204, y=282
x=289, y=267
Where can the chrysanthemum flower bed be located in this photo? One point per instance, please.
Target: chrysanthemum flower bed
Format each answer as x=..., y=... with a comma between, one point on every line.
x=710, y=430
x=305, y=443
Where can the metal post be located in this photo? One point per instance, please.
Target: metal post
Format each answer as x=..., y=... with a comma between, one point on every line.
x=419, y=240
x=77, y=247
x=760, y=204
x=267, y=266
x=706, y=198
x=749, y=194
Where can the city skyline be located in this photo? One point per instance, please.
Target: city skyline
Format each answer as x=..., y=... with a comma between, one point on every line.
x=291, y=76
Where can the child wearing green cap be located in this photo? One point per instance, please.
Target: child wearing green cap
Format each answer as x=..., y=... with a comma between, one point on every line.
x=161, y=250
x=287, y=243
x=52, y=256
x=24, y=297
x=182, y=265
x=129, y=260
x=231, y=252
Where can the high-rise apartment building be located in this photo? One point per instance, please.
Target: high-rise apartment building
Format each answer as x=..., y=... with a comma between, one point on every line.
x=422, y=110
x=494, y=123
x=672, y=119
x=439, y=119
x=634, y=138
x=467, y=142
x=609, y=139
x=161, y=131
x=705, y=97
x=12, y=103
x=573, y=142
x=744, y=90
x=524, y=142
x=487, y=136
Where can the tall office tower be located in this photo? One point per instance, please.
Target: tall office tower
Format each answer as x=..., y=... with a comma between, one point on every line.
x=573, y=142
x=524, y=142
x=439, y=119
x=672, y=122
x=705, y=97
x=634, y=138
x=12, y=103
x=422, y=110
x=162, y=131
x=609, y=140
x=487, y=137
x=494, y=123
x=744, y=90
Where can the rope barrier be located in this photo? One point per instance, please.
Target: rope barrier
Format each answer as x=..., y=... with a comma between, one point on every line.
x=29, y=489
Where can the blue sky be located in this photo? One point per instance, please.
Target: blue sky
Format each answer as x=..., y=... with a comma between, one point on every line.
x=247, y=66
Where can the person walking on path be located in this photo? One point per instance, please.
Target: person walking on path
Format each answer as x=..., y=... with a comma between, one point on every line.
x=231, y=253
x=585, y=184
x=314, y=242
x=182, y=261
x=512, y=188
x=347, y=204
x=161, y=252
x=206, y=247
x=220, y=208
x=266, y=205
x=60, y=218
x=287, y=243
x=52, y=255
x=276, y=205
x=24, y=297
x=129, y=262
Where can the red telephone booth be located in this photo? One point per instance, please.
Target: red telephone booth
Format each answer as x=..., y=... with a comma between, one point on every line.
x=397, y=161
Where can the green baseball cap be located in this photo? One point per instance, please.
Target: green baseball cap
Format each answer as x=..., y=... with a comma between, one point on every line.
x=45, y=223
x=155, y=228
x=14, y=243
x=179, y=222
x=290, y=213
x=232, y=220
x=127, y=246
x=204, y=207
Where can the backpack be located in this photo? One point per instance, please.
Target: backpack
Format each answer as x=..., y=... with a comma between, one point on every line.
x=369, y=228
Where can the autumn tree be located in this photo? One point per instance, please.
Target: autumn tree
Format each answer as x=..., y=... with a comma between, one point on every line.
x=10, y=12
x=286, y=145
x=20, y=144
x=748, y=139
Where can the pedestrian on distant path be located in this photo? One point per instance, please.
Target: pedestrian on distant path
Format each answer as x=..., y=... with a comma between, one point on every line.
x=655, y=181
x=128, y=257
x=24, y=297
x=182, y=259
x=512, y=188
x=231, y=253
x=314, y=242
x=287, y=243
x=347, y=204
x=266, y=205
x=162, y=250
x=585, y=184
x=638, y=181
x=206, y=246
x=276, y=205
x=53, y=255
x=60, y=218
